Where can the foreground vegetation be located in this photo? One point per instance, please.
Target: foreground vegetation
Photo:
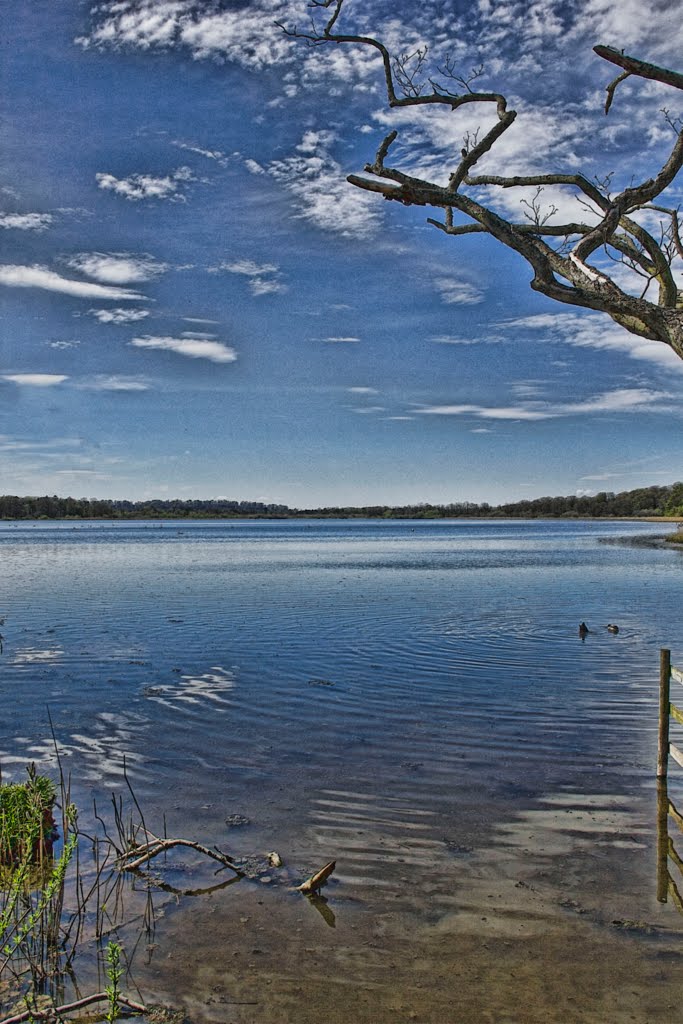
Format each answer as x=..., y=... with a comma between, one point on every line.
x=66, y=890
x=643, y=501
x=44, y=904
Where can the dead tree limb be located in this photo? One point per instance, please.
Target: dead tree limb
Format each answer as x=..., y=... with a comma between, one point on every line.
x=57, y=1012
x=134, y=858
x=567, y=272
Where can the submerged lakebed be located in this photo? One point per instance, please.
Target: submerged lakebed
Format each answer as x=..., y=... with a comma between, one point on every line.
x=410, y=699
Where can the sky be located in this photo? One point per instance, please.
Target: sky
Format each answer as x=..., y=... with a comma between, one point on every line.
x=196, y=304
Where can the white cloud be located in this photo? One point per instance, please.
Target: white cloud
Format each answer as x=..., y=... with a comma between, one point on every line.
x=597, y=477
x=117, y=267
x=366, y=410
x=321, y=193
x=211, y=154
x=263, y=277
x=497, y=413
x=146, y=186
x=363, y=391
x=619, y=400
x=654, y=28
x=527, y=389
x=456, y=339
x=119, y=316
x=26, y=221
x=39, y=447
x=40, y=277
x=105, y=382
x=458, y=293
x=594, y=330
x=339, y=340
x=254, y=167
x=36, y=380
x=215, y=351
x=63, y=344
x=245, y=34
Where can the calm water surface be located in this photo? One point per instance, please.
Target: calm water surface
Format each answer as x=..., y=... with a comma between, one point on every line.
x=410, y=698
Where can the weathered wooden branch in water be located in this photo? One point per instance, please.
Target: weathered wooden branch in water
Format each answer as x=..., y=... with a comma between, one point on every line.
x=154, y=846
x=52, y=1012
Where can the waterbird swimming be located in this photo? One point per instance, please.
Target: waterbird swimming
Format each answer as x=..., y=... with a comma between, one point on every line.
x=583, y=629
x=612, y=628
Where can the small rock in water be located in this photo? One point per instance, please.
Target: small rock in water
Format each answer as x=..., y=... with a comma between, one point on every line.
x=237, y=820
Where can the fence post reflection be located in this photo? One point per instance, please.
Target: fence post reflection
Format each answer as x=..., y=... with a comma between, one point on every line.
x=666, y=850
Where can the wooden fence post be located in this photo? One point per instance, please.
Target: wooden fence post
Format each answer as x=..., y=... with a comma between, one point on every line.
x=662, y=841
x=664, y=703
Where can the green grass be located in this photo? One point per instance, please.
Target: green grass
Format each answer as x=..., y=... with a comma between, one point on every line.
x=27, y=825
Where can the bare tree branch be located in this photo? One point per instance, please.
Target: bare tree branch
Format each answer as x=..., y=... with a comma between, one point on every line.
x=639, y=67
x=564, y=273
x=611, y=88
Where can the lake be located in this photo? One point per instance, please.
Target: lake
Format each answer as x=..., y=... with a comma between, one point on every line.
x=409, y=698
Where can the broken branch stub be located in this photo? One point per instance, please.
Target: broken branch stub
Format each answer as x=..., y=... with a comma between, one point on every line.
x=318, y=880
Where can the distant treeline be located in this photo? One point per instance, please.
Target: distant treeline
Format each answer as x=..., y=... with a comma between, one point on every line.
x=644, y=501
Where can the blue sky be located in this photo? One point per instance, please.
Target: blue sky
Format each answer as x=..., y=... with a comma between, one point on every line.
x=195, y=303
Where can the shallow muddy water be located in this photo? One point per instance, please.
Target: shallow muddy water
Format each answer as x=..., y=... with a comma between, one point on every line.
x=411, y=699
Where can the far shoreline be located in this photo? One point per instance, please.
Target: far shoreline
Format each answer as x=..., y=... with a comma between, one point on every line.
x=347, y=517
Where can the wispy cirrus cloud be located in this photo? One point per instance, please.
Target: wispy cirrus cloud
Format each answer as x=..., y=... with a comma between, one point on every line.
x=119, y=316
x=147, y=186
x=620, y=400
x=363, y=391
x=263, y=278
x=340, y=339
x=112, y=382
x=211, y=154
x=458, y=293
x=459, y=339
x=194, y=348
x=15, y=276
x=118, y=267
x=26, y=221
x=594, y=331
x=52, y=445
x=35, y=380
x=322, y=196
